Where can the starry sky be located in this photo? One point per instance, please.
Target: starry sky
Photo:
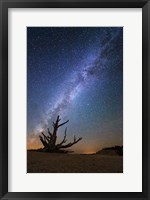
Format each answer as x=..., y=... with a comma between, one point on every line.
x=77, y=73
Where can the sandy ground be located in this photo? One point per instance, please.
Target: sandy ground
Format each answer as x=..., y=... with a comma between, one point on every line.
x=38, y=162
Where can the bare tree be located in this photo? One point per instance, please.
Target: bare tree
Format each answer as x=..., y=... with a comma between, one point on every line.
x=49, y=141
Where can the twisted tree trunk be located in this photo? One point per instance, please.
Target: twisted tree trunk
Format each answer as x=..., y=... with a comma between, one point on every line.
x=49, y=141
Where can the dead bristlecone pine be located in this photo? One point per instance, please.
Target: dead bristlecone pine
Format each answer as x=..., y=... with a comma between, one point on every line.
x=49, y=141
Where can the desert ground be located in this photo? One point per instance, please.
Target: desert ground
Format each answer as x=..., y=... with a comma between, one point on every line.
x=39, y=162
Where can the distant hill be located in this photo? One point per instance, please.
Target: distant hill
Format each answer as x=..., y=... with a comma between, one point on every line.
x=115, y=150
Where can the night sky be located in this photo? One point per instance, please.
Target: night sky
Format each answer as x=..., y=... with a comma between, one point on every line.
x=76, y=72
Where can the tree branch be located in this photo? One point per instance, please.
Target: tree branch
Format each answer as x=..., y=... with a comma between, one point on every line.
x=45, y=137
x=63, y=123
x=43, y=141
x=49, y=132
x=71, y=144
x=58, y=119
x=64, y=140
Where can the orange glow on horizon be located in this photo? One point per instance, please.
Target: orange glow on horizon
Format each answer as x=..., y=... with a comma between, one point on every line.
x=33, y=146
x=89, y=152
x=33, y=142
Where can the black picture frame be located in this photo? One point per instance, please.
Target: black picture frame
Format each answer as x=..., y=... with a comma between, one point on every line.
x=4, y=6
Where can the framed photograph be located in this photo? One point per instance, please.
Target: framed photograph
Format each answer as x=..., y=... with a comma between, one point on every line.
x=74, y=99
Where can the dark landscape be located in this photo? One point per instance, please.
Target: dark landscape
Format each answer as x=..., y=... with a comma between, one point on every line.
x=39, y=162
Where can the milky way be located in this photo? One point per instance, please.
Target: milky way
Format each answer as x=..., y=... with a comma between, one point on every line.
x=76, y=73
